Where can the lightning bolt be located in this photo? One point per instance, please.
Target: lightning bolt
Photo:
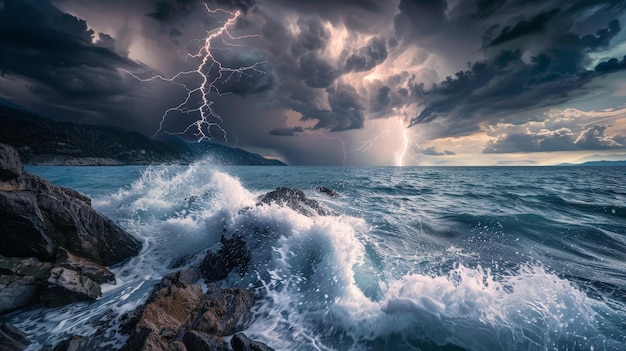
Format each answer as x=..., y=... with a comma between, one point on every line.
x=211, y=72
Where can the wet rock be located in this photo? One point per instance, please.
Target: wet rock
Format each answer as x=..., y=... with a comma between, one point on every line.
x=241, y=342
x=327, y=191
x=12, y=339
x=16, y=292
x=171, y=303
x=36, y=218
x=92, y=270
x=233, y=254
x=73, y=343
x=67, y=286
x=222, y=312
x=25, y=267
x=296, y=200
x=199, y=341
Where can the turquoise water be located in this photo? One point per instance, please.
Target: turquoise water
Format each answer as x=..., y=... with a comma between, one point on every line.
x=413, y=259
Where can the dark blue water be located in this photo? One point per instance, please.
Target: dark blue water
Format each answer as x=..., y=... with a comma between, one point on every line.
x=464, y=258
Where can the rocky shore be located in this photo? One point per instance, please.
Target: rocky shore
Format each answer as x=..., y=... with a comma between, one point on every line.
x=55, y=249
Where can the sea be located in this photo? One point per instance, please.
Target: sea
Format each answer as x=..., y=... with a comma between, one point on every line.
x=412, y=258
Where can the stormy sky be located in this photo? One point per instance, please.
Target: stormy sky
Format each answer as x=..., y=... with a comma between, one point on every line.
x=354, y=82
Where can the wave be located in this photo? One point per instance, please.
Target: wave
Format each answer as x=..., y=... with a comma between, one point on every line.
x=323, y=282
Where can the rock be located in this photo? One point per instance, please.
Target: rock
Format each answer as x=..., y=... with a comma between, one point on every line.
x=199, y=341
x=31, y=267
x=241, y=342
x=222, y=312
x=73, y=343
x=66, y=286
x=327, y=191
x=16, y=292
x=12, y=339
x=296, y=200
x=10, y=166
x=36, y=218
x=233, y=254
x=171, y=303
x=94, y=271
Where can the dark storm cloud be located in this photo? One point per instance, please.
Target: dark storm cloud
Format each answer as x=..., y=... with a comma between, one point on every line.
x=523, y=28
x=432, y=151
x=55, y=51
x=563, y=139
x=420, y=18
x=486, y=8
x=507, y=83
x=286, y=131
x=368, y=57
x=611, y=65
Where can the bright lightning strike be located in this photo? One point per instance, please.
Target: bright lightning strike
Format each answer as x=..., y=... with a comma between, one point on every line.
x=211, y=73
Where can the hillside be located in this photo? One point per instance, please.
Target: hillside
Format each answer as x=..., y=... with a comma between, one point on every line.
x=44, y=141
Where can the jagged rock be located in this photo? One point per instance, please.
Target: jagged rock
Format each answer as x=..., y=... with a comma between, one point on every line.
x=327, y=191
x=16, y=292
x=92, y=270
x=30, y=267
x=296, y=200
x=199, y=341
x=66, y=286
x=172, y=301
x=241, y=342
x=222, y=312
x=233, y=254
x=73, y=343
x=10, y=166
x=12, y=339
x=36, y=218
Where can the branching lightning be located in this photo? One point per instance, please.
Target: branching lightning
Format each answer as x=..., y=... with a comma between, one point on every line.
x=211, y=73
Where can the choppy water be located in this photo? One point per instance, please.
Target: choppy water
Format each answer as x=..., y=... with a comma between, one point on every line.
x=415, y=259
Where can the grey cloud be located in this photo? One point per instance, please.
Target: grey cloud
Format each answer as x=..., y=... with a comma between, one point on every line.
x=368, y=57
x=507, y=83
x=286, y=131
x=432, y=151
x=611, y=65
x=535, y=25
x=317, y=72
x=420, y=18
x=346, y=110
x=563, y=139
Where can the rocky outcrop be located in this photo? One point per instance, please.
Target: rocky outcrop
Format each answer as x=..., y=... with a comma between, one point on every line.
x=12, y=339
x=73, y=343
x=66, y=286
x=296, y=200
x=233, y=254
x=38, y=218
x=178, y=316
x=53, y=244
x=241, y=342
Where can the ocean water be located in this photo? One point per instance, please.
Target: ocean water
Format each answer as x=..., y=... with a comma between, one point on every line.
x=465, y=258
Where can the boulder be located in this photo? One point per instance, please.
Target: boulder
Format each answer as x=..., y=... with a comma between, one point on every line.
x=92, y=270
x=36, y=218
x=10, y=166
x=296, y=200
x=12, y=339
x=67, y=286
x=327, y=191
x=199, y=341
x=223, y=311
x=16, y=292
x=73, y=343
x=171, y=303
x=23, y=267
x=241, y=342
x=233, y=254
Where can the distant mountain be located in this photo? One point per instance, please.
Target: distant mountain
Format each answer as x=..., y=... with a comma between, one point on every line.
x=595, y=164
x=44, y=141
x=231, y=156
